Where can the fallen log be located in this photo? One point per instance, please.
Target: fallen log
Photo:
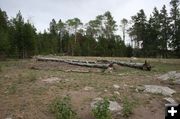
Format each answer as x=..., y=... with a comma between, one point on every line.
x=104, y=64
x=75, y=62
x=144, y=66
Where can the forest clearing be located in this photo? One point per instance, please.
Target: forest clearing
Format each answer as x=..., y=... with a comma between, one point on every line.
x=89, y=59
x=28, y=87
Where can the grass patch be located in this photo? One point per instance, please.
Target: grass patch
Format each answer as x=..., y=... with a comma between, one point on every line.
x=127, y=107
x=101, y=110
x=62, y=109
x=0, y=68
x=12, y=88
x=32, y=77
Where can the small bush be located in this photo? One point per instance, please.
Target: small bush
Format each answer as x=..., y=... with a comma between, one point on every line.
x=62, y=109
x=101, y=110
x=127, y=107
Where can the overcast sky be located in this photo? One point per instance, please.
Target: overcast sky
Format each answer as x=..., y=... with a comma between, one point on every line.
x=41, y=12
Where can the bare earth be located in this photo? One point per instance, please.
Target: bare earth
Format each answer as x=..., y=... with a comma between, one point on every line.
x=27, y=87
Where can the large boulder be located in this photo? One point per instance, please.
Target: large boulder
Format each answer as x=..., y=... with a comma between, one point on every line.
x=172, y=76
x=159, y=90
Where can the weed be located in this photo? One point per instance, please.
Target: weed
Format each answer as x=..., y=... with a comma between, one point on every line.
x=101, y=110
x=62, y=109
x=12, y=88
x=127, y=107
x=32, y=77
x=38, y=90
x=0, y=68
x=172, y=79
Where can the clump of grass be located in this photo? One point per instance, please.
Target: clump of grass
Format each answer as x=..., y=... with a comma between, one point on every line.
x=62, y=108
x=0, y=68
x=101, y=110
x=39, y=90
x=12, y=88
x=32, y=77
x=172, y=79
x=127, y=107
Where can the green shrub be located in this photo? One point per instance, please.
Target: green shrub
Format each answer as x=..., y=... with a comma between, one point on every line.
x=127, y=107
x=101, y=110
x=62, y=109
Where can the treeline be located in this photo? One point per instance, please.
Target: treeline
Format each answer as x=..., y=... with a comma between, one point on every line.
x=96, y=38
x=158, y=36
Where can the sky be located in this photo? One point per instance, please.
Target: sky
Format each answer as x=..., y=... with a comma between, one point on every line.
x=41, y=12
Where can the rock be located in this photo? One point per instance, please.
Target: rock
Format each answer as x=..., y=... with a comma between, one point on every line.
x=125, y=85
x=159, y=90
x=140, y=88
x=87, y=88
x=52, y=80
x=170, y=75
x=177, y=81
x=8, y=118
x=177, y=75
x=170, y=100
x=7, y=77
x=105, y=90
x=132, y=87
x=113, y=105
x=167, y=75
x=116, y=86
x=116, y=92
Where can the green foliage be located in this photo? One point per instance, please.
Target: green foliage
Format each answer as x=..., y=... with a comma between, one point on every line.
x=101, y=110
x=152, y=36
x=62, y=109
x=4, y=41
x=127, y=107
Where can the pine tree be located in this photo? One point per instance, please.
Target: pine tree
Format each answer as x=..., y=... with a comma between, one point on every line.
x=175, y=26
x=165, y=31
x=4, y=40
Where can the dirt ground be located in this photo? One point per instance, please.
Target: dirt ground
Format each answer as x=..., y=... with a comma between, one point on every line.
x=27, y=87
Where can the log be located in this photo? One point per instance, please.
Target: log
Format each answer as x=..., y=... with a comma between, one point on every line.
x=75, y=62
x=104, y=64
x=144, y=66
